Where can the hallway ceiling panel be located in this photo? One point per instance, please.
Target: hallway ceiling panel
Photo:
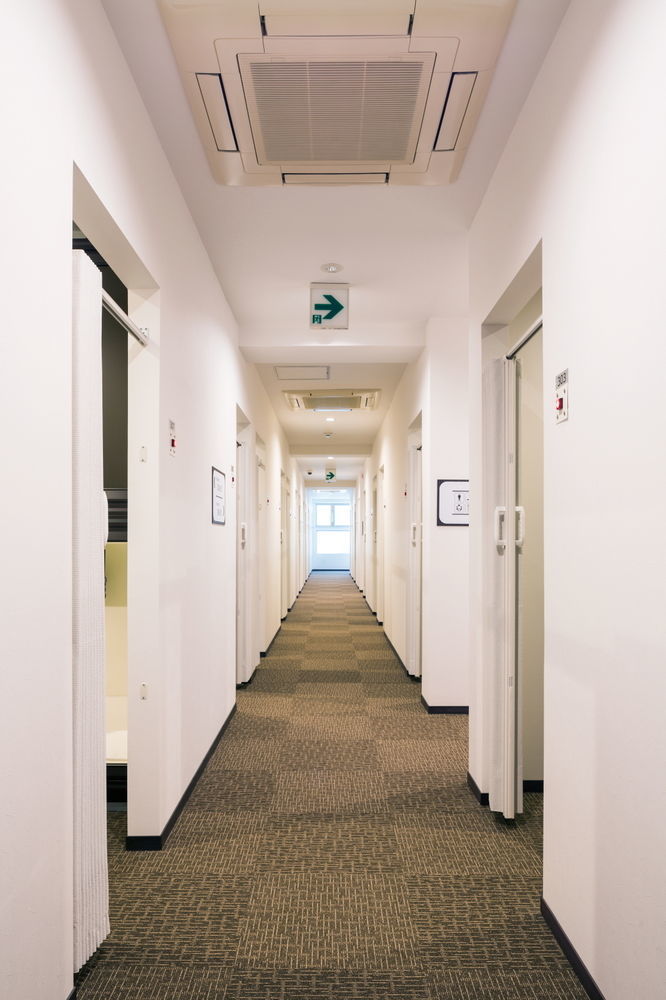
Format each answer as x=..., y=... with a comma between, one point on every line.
x=403, y=248
x=308, y=427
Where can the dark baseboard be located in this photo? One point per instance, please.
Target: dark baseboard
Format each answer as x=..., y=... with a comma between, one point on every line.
x=481, y=797
x=72, y=995
x=116, y=782
x=445, y=709
x=156, y=843
x=244, y=684
x=577, y=964
x=533, y=785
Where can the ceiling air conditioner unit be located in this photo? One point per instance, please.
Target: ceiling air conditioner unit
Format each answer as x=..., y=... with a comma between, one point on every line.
x=336, y=91
x=333, y=400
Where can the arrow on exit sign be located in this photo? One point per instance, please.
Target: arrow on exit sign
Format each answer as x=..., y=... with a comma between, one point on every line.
x=329, y=306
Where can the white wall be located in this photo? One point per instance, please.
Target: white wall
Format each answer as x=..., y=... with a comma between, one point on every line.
x=436, y=387
x=78, y=105
x=584, y=172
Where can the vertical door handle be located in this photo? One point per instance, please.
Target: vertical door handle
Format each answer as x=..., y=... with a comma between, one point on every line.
x=500, y=520
x=414, y=530
x=520, y=526
x=243, y=534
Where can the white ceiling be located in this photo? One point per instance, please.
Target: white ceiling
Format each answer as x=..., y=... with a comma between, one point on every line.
x=349, y=431
x=403, y=249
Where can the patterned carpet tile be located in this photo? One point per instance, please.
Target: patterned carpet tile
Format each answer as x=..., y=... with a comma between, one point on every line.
x=314, y=920
x=394, y=710
x=220, y=790
x=440, y=755
x=311, y=705
x=328, y=844
x=168, y=917
x=427, y=791
x=335, y=644
x=341, y=726
x=326, y=984
x=267, y=705
x=418, y=725
x=487, y=985
x=323, y=690
x=335, y=674
x=332, y=850
x=344, y=794
x=251, y=754
x=432, y=851
x=375, y=653
x=481, y=921
x=395, y=690
x=327, y=755
x=379, y=674
x=143, y=981
x=247, y=726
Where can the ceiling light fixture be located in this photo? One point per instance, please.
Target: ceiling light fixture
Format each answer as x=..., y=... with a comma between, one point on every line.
x=331, y=268
x=329, y=420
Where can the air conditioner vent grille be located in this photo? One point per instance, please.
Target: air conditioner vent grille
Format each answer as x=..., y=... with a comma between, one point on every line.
x=331, y=400
x=343, y=110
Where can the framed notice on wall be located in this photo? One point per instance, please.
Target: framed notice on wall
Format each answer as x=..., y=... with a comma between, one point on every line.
x=218, y=486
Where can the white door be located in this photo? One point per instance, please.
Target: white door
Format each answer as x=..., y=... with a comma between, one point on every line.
x=284, y=548
x=415, y=562
x=262, y=573
x=529, y=557
x=379, y=527
x=513, y=572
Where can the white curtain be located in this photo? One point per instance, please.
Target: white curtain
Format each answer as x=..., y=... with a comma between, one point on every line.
x=494, y=581
x=91, y=887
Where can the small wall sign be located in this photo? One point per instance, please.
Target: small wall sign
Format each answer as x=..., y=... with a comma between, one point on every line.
x=453, y=502
x=218, y=498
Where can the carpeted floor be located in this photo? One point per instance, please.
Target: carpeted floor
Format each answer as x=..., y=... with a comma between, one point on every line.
x=331, y=849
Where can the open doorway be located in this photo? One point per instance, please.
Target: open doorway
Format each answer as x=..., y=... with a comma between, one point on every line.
x=512, y=511
x=115, y=380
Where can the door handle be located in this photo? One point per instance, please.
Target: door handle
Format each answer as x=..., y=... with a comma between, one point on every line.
x=414, y=526
x=500, y=520
x=520, y=526
x=243, y=528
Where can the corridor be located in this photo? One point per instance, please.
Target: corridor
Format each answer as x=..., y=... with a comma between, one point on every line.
x=332, y=850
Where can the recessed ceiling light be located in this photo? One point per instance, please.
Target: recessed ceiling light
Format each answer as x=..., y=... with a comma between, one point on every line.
x=331, y=268
x=330, y=458
x=330, y=420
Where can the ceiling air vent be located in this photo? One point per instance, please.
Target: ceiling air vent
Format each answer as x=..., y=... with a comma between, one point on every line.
x=345, y=109
x=306, y=373
x=328, y=401
x=336, y=91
